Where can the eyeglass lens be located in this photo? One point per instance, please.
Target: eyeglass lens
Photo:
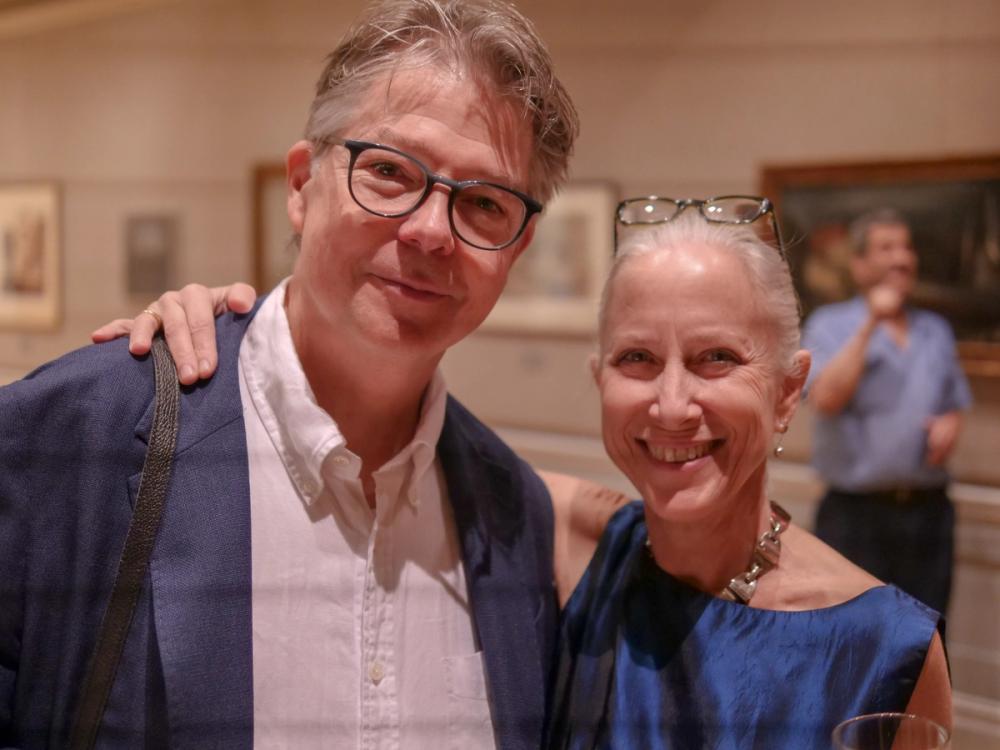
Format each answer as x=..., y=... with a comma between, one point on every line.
x=393, y=184
x=728, y=210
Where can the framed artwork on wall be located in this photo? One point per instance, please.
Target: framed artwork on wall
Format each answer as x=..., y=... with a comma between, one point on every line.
x=30, y=256
x=273, y=252
x=150, y=253
x=555, y=286
x=953, y=207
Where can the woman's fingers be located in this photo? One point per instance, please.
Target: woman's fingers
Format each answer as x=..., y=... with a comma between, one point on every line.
x=144, y=327
x=113, y=330
x=177, y=332
x=238, y=297
x=187, y=318
x=199, y=305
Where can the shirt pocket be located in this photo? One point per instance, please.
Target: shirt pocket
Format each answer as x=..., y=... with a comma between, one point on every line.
x=469, y=722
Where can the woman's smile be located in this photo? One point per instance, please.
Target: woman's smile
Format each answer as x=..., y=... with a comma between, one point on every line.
x=681, y=455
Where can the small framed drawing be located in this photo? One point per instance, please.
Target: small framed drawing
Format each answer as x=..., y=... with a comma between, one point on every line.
x=273, y=253
x=953, y=208
x=30, y=256
x=555, y=286
x=150, y=250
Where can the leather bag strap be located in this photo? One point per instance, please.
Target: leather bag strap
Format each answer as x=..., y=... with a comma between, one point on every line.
x=134, y=561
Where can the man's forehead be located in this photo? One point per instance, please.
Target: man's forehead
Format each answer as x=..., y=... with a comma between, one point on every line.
x=885, y=231
x=460, y=103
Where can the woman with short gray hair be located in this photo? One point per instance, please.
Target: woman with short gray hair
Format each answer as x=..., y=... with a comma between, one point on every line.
x=702, y=617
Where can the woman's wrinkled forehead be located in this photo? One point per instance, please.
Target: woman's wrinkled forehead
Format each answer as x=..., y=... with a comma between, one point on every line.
x=654, y=277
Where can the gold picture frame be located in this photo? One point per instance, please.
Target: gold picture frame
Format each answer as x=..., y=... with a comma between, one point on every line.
x=953, y=207
x=273, y=254
x=31, y=274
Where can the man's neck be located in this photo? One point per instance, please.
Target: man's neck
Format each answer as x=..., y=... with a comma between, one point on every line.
x=377, y=410
x=375, y=400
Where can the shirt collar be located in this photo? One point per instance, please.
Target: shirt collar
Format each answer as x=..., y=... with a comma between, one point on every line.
x=421, y=451
x=305, y=436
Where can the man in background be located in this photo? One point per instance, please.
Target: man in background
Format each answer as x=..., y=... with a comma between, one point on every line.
x=889, y=394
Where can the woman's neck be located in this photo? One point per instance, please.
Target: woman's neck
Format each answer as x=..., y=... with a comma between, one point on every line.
x=708, y=552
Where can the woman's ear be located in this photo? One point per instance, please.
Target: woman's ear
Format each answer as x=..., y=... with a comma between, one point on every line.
x=298, y=166
x=792, y=386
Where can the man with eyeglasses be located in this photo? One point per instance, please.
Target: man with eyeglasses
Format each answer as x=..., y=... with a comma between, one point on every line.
x=889, y=393
x=347, y=557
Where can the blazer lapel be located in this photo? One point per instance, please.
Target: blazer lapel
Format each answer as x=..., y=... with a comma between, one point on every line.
x=200, y=568
x=490, y=521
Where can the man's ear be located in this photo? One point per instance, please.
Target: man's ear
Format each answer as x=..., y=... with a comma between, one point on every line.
x=792, y=385
x=858, y=266
x=525, y=239
x=298, y=166
x=595, y=368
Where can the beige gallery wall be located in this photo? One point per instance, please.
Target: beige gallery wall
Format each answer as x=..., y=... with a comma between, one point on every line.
x=164, y=107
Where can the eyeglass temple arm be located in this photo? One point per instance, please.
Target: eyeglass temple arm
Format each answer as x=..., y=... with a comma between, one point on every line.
x=777, y=233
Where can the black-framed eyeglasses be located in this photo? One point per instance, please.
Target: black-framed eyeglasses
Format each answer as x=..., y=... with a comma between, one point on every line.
x=390, y=183
x=725, y=209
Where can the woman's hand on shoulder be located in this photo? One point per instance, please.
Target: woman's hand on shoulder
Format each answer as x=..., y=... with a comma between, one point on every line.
x=188, y=320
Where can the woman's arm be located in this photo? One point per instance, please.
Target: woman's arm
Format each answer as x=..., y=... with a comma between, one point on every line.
x=932, y=695
x=581, y=511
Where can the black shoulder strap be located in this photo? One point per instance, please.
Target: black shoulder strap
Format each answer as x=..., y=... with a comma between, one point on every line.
x=135, y=556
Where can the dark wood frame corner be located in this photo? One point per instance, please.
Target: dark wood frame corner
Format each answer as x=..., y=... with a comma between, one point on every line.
x=778, y=181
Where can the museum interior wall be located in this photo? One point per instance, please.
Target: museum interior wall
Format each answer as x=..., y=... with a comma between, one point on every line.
x=154, y=118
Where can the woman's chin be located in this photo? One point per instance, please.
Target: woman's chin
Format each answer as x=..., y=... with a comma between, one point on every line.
x=688, y=505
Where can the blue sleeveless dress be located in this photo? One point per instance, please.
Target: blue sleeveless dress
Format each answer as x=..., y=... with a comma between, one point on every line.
x=646, y=661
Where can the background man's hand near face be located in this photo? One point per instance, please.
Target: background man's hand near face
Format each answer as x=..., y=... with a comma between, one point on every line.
x=885, y=301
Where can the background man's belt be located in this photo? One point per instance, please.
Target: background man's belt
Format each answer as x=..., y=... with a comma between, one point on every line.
x=901, y=495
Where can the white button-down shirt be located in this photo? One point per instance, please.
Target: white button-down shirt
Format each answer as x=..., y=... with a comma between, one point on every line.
x=362, y=632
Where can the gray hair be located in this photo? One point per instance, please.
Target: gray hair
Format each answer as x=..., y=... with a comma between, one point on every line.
x=857, y=231
x=767, y=270
x=487, y=39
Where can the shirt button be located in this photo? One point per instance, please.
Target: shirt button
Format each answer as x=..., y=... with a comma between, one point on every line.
x=339, y=460
x=376, y=671
x=310, y=487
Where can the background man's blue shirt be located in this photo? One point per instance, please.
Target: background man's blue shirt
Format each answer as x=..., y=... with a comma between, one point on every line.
x=880, y=438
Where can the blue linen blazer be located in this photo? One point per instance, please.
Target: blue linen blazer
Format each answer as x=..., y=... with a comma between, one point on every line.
x=72, y=441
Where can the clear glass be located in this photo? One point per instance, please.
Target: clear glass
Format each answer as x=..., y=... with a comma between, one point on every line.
x=390, y=183
x=890, y=731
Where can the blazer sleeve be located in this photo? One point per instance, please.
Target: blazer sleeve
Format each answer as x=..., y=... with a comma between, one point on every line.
x=68, y=444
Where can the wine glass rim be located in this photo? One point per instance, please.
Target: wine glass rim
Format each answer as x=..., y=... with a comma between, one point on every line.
x=943, y=732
